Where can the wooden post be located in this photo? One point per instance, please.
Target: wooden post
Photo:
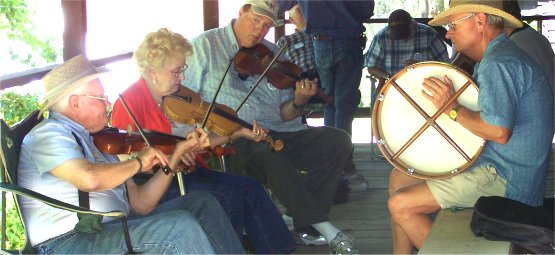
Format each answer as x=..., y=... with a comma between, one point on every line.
x=75, y=22
x=211, y=14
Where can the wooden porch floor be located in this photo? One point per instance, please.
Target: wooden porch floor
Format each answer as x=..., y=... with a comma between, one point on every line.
x=365, y=216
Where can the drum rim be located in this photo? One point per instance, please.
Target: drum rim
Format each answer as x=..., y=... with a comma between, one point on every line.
x=378, y=135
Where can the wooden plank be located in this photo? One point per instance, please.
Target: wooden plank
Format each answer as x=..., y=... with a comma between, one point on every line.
x=451, y=233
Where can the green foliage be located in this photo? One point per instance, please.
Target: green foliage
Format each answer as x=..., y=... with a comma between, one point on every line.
x=14, y=230
x=25, y=46
x=16, y=107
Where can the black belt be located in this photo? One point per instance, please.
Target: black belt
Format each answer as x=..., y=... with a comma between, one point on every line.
x=324, y=37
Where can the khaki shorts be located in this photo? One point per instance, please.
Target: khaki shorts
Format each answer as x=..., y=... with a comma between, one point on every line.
x=464, y=189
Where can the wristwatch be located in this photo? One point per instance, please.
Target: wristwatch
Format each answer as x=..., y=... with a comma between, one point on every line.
x=454, y=112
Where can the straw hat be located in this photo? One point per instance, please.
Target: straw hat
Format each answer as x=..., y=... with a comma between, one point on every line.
x=67, y=77
x=494, y=7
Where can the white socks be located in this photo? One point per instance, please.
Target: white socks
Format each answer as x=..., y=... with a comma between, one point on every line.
x=325, y=228
x=328, y=230
x=288, y=221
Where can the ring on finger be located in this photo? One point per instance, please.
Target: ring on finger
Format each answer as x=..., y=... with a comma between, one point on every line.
x=257, y=132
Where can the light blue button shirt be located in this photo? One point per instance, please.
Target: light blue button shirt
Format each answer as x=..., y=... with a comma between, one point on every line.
x=213, y=51
x=48, y=145
x=515, y=94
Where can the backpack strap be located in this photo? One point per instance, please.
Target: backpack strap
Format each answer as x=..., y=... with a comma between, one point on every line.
x=83, y=196
x=88, y=223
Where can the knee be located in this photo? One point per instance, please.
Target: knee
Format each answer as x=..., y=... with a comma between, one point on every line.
x=181, y=218
x=253, y=186
x=397, y=205
x=342, y=140
x=202, y=199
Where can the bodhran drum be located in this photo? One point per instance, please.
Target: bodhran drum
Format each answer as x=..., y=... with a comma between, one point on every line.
x=410, y=132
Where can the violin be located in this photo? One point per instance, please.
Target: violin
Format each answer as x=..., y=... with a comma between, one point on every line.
x=186, y=106
x=114, y=141
x=282, y=74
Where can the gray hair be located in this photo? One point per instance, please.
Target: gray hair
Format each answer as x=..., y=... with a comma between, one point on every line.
x=495, y=20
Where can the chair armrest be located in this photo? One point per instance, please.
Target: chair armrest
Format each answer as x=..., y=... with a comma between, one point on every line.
x=20, y=191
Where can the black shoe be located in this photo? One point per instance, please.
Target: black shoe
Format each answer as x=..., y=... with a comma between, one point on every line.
x=342, y=193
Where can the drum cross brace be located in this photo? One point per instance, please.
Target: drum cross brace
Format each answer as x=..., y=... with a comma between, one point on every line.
x=431, y=121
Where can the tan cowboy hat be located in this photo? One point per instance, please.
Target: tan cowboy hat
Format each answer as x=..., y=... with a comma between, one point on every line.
x=67, y=77
x=494, y=7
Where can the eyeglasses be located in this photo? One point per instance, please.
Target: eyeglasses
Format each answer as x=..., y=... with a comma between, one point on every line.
x=179, y=72
x=101, y=98
x=452, y=25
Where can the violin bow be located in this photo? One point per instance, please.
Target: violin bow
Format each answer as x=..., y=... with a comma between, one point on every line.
x=262, y=76
x=167, y=170
x=211, y=107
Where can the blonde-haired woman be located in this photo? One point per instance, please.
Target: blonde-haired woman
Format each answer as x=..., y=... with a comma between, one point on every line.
x=161, y=59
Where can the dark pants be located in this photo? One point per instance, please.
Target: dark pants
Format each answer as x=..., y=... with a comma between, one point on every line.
x=248, y=207
x=321, y=152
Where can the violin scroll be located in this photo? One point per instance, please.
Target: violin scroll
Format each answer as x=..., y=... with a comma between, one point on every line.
x=276, y=145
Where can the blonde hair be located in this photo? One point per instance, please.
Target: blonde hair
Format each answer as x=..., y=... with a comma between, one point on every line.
x=158, y=47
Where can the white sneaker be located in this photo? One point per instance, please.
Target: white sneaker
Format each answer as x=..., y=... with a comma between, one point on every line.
x=288, y=221
x=343, y=244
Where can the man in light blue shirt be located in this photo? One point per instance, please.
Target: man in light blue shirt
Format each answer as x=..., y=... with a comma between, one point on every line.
x=515, y=119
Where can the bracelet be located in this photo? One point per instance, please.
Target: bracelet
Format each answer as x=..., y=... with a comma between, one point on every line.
x=301, y=107
x=140, y=163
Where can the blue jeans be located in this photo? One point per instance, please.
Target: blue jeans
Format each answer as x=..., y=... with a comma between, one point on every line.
x=248, y=207
x=339, y=64
x=189, y=224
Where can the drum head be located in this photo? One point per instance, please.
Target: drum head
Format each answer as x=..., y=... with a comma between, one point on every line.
x=407, y=134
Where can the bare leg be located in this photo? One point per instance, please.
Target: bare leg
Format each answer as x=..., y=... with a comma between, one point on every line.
x=410, y=204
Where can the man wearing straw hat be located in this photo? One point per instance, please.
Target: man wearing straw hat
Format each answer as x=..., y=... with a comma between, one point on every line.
x=58, y=157
x=515, y=119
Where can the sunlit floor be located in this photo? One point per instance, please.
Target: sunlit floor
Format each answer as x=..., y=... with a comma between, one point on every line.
x=361, y=128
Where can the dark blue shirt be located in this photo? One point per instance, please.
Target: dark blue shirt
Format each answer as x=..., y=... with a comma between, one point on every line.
x=338, y=18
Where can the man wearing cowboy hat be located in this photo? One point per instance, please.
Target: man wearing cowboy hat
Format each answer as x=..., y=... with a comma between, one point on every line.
x=515, y=119
x=58, y=158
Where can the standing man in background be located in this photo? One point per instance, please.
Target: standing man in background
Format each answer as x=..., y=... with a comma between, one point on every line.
x=338, y=38
x=300, y=51
x=338, y=33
